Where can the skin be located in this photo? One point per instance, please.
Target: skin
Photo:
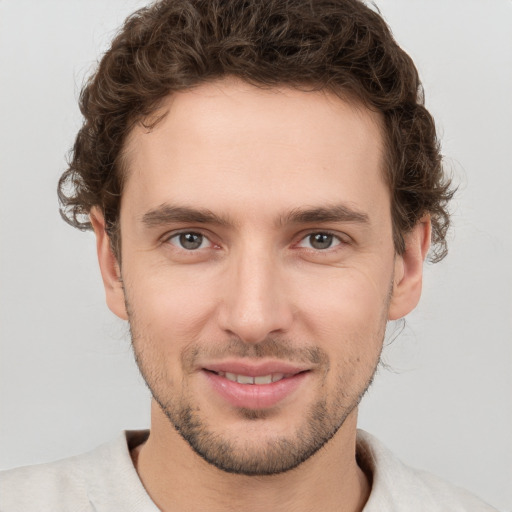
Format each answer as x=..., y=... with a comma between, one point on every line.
x=258, y=289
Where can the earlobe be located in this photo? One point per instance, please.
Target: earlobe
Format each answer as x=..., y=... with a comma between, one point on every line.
x=408, y=275
x=109, y=267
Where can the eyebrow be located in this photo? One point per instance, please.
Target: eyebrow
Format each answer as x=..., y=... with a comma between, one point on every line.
x=335, y=213
x=167, y=214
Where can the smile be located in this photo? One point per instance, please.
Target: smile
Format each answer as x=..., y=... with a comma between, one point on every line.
x=247, y=379
x=255, y=389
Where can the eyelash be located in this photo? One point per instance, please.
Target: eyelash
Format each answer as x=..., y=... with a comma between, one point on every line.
x=335, y=238
x=168, y=239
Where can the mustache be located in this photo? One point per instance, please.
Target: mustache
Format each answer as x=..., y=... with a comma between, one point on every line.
x=271, y=347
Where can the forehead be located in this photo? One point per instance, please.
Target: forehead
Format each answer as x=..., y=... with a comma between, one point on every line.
x=229, y=141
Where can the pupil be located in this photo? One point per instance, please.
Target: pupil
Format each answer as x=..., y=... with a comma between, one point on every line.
x=321, y=240
x=191, y=240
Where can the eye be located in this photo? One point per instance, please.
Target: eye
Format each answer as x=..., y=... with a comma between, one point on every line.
x=189, y=241
x=320, y=241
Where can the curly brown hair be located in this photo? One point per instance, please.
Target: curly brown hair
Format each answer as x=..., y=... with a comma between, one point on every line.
x=337, y=45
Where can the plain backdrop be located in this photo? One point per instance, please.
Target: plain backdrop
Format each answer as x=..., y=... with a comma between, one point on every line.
x=67, y=380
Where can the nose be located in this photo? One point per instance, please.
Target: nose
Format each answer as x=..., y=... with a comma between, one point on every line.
x=254, y=300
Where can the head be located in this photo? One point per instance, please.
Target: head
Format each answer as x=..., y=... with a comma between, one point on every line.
x=341, y=47
x=264, y=182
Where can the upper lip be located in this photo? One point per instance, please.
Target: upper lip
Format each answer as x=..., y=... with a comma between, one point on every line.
x=254, y=369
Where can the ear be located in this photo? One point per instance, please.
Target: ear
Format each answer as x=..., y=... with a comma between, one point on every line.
x=409, y=270
x=110, y=271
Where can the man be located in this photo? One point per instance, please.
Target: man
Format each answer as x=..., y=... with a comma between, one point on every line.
x=264, y=184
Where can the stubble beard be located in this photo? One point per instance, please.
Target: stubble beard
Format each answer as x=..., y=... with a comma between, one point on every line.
x=274, y=455
x=280, y=453
x=271, y=457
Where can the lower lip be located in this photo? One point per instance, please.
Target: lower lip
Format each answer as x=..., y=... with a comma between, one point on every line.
x=254, y=396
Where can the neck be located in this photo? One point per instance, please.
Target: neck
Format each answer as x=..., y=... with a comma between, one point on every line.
x=176, y=478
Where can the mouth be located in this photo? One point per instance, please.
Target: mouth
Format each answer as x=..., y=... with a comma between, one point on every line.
x=259, y=379
x=254, y=386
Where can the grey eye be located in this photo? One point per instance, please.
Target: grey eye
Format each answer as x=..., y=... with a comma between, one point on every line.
x=321, y=240
x=189, y=241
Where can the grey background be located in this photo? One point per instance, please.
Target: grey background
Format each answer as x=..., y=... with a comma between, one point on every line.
x=67, y=380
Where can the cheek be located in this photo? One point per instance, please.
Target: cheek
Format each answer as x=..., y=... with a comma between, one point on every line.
x=170, y=305
x=347, y=318
x=347, y=300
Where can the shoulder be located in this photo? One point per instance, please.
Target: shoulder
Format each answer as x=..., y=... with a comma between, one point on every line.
x=60, y=485
x=397, y=487
x=76, y=483
x=54, y=486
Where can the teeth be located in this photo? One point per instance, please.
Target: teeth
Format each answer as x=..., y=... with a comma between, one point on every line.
x=264, y=379
x=246, y=379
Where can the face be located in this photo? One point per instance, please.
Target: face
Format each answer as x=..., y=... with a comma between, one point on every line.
x=258, y=268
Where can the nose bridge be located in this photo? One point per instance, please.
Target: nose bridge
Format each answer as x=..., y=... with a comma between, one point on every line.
x=254, y=305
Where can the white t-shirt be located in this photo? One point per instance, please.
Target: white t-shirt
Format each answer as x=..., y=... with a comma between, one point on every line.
x=105, y=480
